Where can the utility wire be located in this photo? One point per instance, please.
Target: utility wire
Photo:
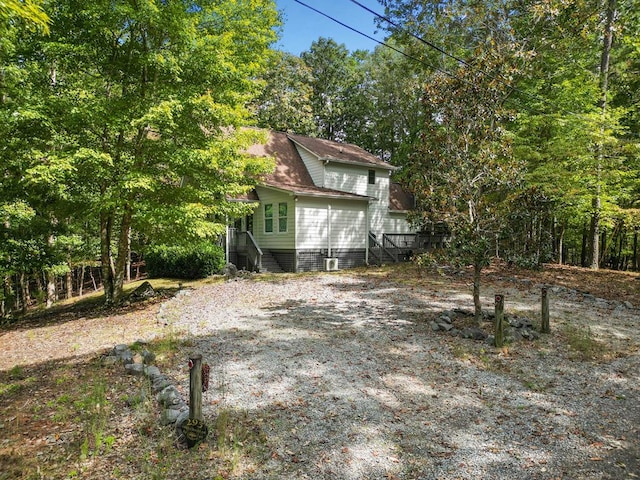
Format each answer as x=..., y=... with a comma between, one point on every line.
x=433, y=46
x=497, y=77
x=420, y=39
x=375, y=39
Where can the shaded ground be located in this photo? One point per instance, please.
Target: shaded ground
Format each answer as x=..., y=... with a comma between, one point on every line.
x=346, y=370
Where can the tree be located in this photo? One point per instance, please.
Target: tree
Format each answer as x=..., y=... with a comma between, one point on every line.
x=28, y=11
x=139, y=105
x=462, y=169
x=285, y=101
x=333, y=72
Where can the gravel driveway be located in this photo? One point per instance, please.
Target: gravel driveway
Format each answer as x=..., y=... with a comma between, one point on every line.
x=347, y=380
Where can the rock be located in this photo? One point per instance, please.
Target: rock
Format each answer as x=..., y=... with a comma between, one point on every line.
x=490, y=340
x=445, y=326
x=159, y=383
x=134, y=369
x=148, y=357
x=434, y=326
x=151, y=372
x=520, y=323
x=628, y=304
x=473, y=333
x=119, y=349
x=230, y=271
x=169, y=396
x=454, y=332
x=143, y=292
x=170, y=416
x=444, y=318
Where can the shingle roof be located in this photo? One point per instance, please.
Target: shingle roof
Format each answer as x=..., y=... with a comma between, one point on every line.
x=340, y=152
x=399, y=199
x=291, y=174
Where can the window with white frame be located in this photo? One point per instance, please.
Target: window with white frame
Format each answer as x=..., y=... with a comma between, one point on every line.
x=273, y=218
x=268, y=218
x=282, y=217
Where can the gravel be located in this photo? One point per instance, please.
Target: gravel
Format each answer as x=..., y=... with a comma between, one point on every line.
x=346, y=380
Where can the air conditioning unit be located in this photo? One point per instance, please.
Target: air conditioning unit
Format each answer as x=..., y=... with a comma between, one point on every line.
x=330, y=264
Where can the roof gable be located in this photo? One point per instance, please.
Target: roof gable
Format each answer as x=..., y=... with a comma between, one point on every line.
x=340, y=152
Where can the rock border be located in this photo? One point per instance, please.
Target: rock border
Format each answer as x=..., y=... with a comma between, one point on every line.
x=174, y=408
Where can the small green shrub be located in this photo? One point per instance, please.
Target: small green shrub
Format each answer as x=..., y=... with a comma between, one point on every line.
x=189, y=262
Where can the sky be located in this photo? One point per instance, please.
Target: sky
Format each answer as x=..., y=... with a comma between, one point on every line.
x=302, y=26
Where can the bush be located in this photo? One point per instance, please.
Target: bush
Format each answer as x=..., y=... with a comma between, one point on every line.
x=188, y=262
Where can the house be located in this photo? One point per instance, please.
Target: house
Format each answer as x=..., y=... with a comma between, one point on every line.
x=327, y=205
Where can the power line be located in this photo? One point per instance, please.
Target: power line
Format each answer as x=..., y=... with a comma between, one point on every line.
x=426, y=42
x=374, y=39
x=433, y=46
x=497, y=77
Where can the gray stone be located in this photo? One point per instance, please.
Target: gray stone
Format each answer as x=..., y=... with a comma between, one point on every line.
x=434, y=326
x=454, y=332
x=119, y=349
x=473, y=333
x=159, y=383
x=151, y=372
x=520, y=323
x=230, y=271
x=169, y=416
x=490, y=340
x=445, y=326
x=628, y=304
x=126, y=357
x=148, y=357
x=143, y=292
x=169, y=396
x=134, y=369
x=444, y=318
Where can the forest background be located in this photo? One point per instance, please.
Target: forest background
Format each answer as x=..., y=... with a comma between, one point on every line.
x=515, y=123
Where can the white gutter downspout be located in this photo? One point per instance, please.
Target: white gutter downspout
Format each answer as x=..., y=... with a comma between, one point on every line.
x=329, y=230
x=366, y=236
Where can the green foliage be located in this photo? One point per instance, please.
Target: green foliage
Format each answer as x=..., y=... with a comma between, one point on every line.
x=127, y=119
x=190, y=262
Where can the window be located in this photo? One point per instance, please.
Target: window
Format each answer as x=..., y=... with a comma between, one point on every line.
x=268, y=218
x=282, y=217
x=372, y=177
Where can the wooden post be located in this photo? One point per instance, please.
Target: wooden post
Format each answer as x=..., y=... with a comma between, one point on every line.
x=195, y=387
x=544, y=327
x=193, y=430
x=499, y=327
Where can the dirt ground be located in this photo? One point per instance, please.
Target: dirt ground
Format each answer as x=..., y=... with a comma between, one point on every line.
x=65, y=415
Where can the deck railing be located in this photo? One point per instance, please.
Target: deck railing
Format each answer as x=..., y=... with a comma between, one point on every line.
x=379, y=250
x=254, y=253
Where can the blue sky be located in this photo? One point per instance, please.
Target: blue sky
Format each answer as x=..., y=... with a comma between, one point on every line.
x=302, y=25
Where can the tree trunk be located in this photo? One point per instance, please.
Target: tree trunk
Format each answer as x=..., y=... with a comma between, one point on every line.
x=477, y=269
x=51, y=288
x=51, y=280
x=602, y=255
x=123, y=254
x=24, y=292
x=607, y=42
x=583, y=253
x=594, y=248
x=69, y=282
x=106, y=257
x=635, y=250
x=81, y=280
x=563, y=228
